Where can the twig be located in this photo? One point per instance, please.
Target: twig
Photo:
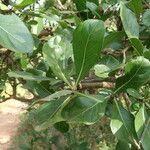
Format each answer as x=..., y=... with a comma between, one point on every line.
x=127, y=100
x=95, y=85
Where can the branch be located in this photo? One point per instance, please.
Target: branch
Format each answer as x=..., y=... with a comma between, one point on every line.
x=95, y=85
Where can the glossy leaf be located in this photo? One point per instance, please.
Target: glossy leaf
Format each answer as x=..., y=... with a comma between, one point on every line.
x=137, y=73
x=12, y=38
x=85, y=109
x=129, y=21
x=87, y=44
x=122, y=124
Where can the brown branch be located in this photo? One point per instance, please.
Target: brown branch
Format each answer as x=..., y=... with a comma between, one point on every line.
x=45, y=32
x=95, y=85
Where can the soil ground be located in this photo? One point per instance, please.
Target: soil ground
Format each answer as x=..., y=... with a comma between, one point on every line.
x=10, y=112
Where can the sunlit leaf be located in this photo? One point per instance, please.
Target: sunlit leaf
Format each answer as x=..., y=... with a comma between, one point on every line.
x=14, y=35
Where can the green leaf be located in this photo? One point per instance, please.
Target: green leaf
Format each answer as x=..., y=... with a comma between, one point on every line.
x=53, y=96
x=101, y=70
x=23, y=3
x=14, y=34
x=136, y=6
x=129, y=21
x=138, y=46
x=106, y=65
x=134, y=93
x=122, y=145
x=81, y=4
x=27, y=76
x=93, y=8
x=122, y=123
x=113, y=37
x=62, y=126
x=146, y=17
x=140, y=120
x=142, y=126
x=37, y=88
x=49, y=113
x=137, y=73
x=146, y=135
x=54, y=56
x=87, y=44
x=85, y=109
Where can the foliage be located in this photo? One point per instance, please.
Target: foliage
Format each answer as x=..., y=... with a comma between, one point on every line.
x=82, y=60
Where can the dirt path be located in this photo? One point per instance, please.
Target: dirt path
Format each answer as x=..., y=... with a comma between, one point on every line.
x=9, y=120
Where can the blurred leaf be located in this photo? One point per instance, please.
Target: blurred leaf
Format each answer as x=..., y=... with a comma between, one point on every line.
x=140, y=120
x=121, y=145
x=146, y=17
x=129, y=21
x=62, y=126
x=3, y=7
x=93, y=8
x=27, y=76
x=23, y=3
x=81, y=4
x=137, y=73
x=113, y=37
x=12, y=38
x=82, y=146
x=136, y=6
x=85, y=109
x=134, y=93
x=138, y=46
x=101, y=70
x=87, y=44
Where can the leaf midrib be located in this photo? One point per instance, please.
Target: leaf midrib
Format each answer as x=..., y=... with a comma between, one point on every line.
x=10, y=34
x=128, y=80
x=84, y=55
x=97, y=102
